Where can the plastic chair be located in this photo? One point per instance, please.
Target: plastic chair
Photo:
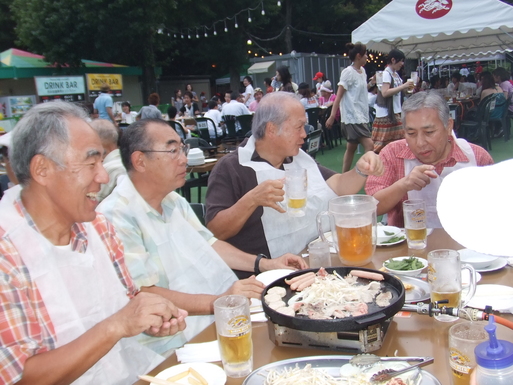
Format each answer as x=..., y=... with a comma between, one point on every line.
x=476, y=130
x=245, y=125
x=231, y=129
x=313, y=116
x=178, y=128
x=313, y=143
x=498, y=113
x=202, y=126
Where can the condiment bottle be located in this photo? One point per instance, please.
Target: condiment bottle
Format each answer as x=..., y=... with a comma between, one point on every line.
x=494, y=359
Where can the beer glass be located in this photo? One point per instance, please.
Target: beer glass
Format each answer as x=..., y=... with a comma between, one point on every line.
x=319, y=254
x=414, y=211
x=379, y=79
x=296, y=184
x=463, y=338
x=444, y=278
x=353, y=227
x=233, y=325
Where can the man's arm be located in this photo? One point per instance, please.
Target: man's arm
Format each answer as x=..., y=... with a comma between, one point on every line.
x=228, y=222
x=351, y=181
x=146, y=312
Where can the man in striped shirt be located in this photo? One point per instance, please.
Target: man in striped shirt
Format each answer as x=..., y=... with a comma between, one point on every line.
x=68, y=307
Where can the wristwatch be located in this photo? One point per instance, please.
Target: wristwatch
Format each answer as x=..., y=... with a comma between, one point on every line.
x=257, y=262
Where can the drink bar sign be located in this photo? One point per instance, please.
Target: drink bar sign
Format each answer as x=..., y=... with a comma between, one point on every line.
x=67, y=88
x=95, y=82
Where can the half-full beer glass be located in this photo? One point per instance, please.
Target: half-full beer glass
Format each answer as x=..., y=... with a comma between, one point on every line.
x=353, y=228
x=296, y=185
x=444, y=278
x=414, y=211
x=233, y=325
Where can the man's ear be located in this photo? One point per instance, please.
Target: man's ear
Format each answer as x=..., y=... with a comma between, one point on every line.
x=138, y=161
x=41, y=168
x=450, y=125
x=271, y=129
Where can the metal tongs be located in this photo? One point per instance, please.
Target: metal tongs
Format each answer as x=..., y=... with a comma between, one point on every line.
x=388, y=374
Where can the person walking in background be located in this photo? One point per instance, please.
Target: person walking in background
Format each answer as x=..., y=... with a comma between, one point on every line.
x=103, y=104
x=151, y=111
x=249, y=91
x=353, y=101
x=387, y=126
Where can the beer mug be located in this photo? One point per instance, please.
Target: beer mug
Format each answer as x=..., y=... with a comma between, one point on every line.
x=296, y=184
x=353, y=224
x=444, y=278
x=233, y=325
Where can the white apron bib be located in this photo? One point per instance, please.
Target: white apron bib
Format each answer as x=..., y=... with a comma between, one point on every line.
x=190, y=263
x=79, y=291
x=283, y=233
x=428, y=193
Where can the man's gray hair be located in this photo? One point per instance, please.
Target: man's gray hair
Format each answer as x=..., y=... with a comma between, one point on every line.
x=106, y=130
x=136, y=138
x=42, y=130
x=427, y=99
x=270, y=109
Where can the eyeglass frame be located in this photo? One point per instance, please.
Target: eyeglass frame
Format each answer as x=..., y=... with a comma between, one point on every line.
x=183, y=149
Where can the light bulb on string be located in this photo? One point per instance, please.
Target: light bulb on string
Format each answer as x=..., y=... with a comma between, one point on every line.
x=188, y=30
x=174, y=35
x=249, y=17
x=263, y=11
x=225, y=27
x=215, y=32
x=279, y=3
x=236, y=25
x=205, y=29
x=181, y=35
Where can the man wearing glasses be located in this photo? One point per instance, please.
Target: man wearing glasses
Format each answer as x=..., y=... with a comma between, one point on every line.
x=168, y=251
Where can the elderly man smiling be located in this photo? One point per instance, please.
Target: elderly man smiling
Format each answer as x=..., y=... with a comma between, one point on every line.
x=415, y=166
x=67, y=301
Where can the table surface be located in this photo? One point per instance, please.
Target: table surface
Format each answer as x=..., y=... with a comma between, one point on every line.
x=416, y=335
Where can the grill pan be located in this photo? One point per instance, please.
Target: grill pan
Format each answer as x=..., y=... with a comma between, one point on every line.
x=375, y=315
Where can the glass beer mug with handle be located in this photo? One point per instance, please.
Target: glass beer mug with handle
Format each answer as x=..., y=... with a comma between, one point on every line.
x=353, y=223
x=444, y=278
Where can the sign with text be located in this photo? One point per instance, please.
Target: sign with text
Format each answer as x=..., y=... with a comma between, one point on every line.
x=95, y=81
x=60, y=87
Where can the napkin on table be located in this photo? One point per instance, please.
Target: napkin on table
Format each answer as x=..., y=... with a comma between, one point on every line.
x=201, y=352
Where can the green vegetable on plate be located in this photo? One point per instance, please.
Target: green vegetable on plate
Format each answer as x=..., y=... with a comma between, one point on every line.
x=411, y=263
x=397, y=238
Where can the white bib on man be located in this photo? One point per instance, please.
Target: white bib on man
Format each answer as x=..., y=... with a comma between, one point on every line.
x=283, y=233
x=428, y=193
x=79, y=290
x=183, y=260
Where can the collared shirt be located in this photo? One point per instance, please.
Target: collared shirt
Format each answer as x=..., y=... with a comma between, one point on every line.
x=393, y=156
x=25, y=326
x=141, y=249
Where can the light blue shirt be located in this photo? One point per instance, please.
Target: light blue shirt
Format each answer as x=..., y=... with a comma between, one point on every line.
x=101, y=104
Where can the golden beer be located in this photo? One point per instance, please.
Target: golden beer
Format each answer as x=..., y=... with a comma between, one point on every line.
x=355, y=244
x=297, y=203
x=453, y=297
x=459, y=378
x=236, y=350
x=416, y=234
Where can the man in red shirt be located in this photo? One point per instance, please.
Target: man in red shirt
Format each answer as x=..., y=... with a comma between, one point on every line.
x=415, y=166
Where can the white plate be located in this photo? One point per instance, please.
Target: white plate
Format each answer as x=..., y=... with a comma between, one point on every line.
x=476, y=259
x=212, y=373
x=393, y=243
x=210, y=160
x=498, y=264
x=267, y=277
x=499, y=297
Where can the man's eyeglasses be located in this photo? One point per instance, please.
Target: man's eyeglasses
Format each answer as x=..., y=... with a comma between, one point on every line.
x=174, y=152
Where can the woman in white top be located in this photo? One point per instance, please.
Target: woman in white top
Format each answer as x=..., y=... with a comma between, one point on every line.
x=353, y=101
x=249, y=93
x=387, y=126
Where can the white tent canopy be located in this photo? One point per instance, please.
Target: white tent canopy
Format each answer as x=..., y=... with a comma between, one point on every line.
x=432, y=29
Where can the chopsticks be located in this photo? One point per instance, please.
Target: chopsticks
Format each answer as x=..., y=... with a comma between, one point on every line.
x=156, y=380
